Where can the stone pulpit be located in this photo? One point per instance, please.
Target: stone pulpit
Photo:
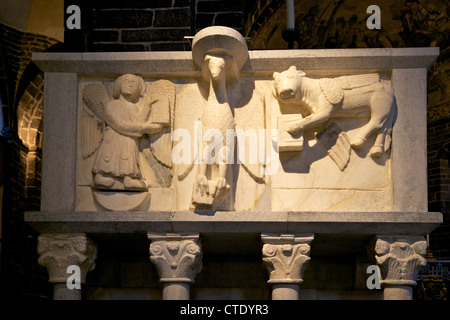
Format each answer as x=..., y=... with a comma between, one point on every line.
x=290, y=156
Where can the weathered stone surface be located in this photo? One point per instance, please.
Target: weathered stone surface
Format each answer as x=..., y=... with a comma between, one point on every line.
x=178, y=258
x=286, y=141
x=236, y=222
x=317, y=62
x=58, y=253
x=400, y=259
x=286, y=257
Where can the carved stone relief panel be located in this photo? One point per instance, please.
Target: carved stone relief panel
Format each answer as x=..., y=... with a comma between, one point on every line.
x=334, y=138
x=125, y=143
x=224, y=114
x=225, y=139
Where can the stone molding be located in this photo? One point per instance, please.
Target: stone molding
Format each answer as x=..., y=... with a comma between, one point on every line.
x=177, y=257
x=262, y=61
x=58, y=251
x=400, y=259
x=368, y=223
x=286, y=257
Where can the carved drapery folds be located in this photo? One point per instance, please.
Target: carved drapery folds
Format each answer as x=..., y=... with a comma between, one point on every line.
x=286, y=257
x=400, y=259
x=178, y=258
x=59, y=251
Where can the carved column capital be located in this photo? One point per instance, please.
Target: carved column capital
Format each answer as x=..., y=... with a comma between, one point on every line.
x=178, y=258
x=400, y=259
x=286, y=257
x=58, y=251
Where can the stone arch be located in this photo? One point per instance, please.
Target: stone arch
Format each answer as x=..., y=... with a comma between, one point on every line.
x=313, y=19
x=258, y=16
x=328, y=24
x=29, y=113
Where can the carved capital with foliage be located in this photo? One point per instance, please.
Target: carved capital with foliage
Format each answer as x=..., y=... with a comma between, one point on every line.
x=286, y=257
x=178, y=258
x=59, y=251
x=400, y=259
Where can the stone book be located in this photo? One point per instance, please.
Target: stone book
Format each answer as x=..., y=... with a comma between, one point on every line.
x=286, y=141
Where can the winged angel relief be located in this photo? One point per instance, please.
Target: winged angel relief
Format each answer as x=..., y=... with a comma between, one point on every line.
x=128, y=133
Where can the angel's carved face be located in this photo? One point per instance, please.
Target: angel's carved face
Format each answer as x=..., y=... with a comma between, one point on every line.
x=130, y=87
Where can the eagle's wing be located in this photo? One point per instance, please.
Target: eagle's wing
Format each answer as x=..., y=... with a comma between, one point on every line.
x=95, y=97
x=249, y=113
x=191, y=102
x=336, y=143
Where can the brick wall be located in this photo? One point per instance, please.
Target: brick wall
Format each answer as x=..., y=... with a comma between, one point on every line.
x=157, y=25
x=439, y=183
x=222, y=13
x=21, y=86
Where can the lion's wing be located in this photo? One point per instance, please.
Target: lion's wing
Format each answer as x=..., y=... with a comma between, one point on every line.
x=336, y=143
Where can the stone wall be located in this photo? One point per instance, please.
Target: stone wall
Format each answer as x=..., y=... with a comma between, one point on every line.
x=439, y=183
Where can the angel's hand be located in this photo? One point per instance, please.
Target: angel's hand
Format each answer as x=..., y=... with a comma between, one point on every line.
x=202, y=185
x=151, y=128
x=296, y=128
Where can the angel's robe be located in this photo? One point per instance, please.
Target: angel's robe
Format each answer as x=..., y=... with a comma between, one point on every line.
x=118, y=154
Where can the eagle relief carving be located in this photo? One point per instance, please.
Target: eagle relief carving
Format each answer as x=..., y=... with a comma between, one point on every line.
x=217, y=111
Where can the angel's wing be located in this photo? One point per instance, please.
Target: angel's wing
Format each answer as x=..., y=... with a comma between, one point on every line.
x=157, y=148
x=336, y=143
x=95, y=97
x=163, y=110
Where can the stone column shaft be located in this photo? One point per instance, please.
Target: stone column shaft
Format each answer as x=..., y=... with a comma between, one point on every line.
x=178, y=258
x=286, y=257
x=64, y=256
